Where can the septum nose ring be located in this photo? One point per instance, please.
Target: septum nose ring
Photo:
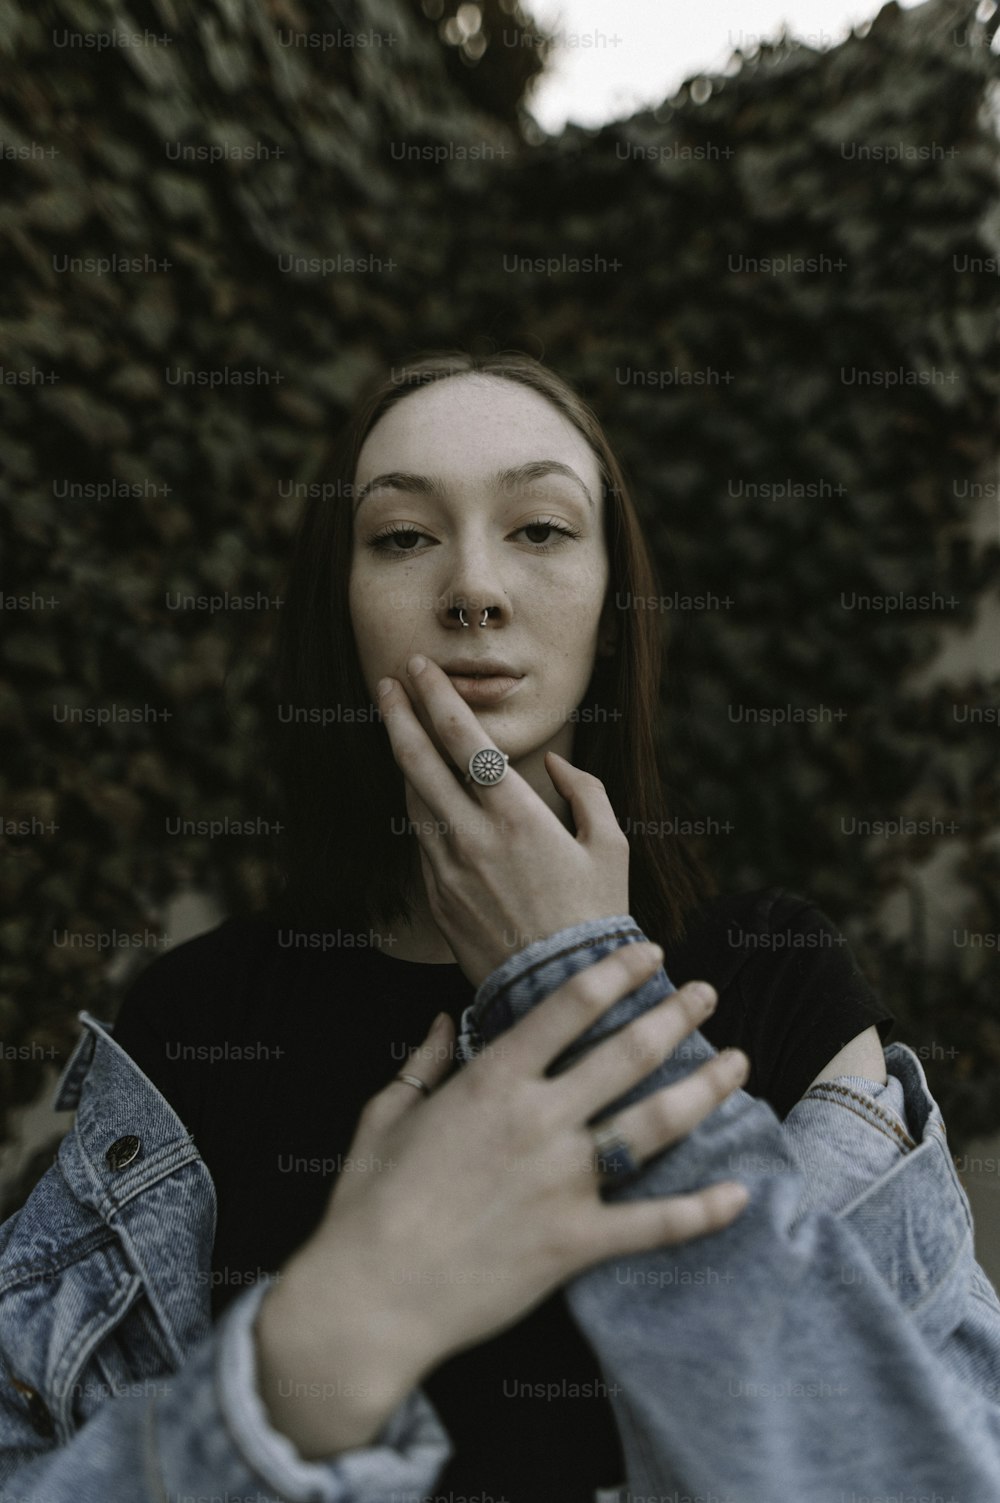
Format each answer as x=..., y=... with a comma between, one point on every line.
x=461, y=616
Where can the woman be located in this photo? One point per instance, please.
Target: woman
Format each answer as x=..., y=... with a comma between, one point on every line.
x=432, y=863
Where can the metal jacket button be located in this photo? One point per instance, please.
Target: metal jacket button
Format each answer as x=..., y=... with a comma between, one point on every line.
x=123, y=1151
x=38, y=1411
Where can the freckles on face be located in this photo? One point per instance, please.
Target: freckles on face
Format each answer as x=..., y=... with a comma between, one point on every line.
x=462, y=538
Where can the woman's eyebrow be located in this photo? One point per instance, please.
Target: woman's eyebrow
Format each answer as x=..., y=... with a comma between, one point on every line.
x=509, y=479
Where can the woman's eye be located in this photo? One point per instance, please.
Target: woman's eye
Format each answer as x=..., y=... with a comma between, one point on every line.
x=540, y=527
x=384, y=542
x=383, y=539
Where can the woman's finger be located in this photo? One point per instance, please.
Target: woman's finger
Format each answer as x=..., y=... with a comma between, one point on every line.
x=432, y=848
x=430, y=852
x=437, y=703
x=536, y=1039
x=593, y=816
x=421, y=762
x=668, y=1115
x=432, y=834
x=662, y=1222
x=461, y=734
x=617, y=1063
x=430, y=1062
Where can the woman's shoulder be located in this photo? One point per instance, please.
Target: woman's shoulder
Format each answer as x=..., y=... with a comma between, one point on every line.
x=208, y=966
x=766, y=918
x=231, y=941
x=725, y=930
x=193, y=993
x=772, y=950
x=791, y=991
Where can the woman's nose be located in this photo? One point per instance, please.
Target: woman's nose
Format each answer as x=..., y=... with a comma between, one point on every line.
x=474, y=615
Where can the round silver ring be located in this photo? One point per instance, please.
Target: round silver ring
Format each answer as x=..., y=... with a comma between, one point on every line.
x=413, y=1080
x=613, y=1156
x=487, y=766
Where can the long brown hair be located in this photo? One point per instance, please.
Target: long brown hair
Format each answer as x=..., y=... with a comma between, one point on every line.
x=341, y=791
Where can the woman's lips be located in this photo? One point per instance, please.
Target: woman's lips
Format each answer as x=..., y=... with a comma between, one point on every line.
x=484, y=691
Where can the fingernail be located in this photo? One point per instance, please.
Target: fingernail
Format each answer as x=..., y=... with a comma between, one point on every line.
x=416, y=665
x=382, y=687
x=705, y=995
x=736, y=1062
x=437, y=1024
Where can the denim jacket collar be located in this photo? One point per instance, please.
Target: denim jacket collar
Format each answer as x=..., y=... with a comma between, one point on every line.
x=127, y=1138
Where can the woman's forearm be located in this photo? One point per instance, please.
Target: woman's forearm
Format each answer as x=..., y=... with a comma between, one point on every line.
x=331, y=1368
x=791, y=1355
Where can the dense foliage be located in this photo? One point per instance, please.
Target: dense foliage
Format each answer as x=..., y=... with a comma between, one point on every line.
x=713, y=276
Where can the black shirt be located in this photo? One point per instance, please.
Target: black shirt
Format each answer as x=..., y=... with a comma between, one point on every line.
x=268, y=1051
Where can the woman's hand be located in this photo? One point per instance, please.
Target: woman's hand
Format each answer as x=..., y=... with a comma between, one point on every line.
x=500, y=869
x=458, y=1213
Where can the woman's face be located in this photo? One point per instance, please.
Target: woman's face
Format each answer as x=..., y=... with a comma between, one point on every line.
x=435, y=466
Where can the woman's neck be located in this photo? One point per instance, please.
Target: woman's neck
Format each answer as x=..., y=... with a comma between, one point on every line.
x=416, y=937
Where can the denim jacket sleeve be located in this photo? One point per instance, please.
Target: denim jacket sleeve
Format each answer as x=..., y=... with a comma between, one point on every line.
x=837, y=1340
x=113, y=1381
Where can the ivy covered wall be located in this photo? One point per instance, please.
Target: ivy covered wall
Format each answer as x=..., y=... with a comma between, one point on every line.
x=779, y=290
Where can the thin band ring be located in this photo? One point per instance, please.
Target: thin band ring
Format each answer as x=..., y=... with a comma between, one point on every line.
x=613, y=1155
x=413, y=1080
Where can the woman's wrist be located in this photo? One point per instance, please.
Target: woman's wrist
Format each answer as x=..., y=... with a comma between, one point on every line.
x=332, y=1366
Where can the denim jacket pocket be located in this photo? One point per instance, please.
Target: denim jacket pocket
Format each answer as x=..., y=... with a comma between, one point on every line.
x=74, y=1334
x=844, y=1133
x=878, y=1157
x=126, y=1352
x=916, y=1225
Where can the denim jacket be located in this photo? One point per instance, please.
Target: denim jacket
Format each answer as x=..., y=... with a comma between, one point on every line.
x=836, y=1342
